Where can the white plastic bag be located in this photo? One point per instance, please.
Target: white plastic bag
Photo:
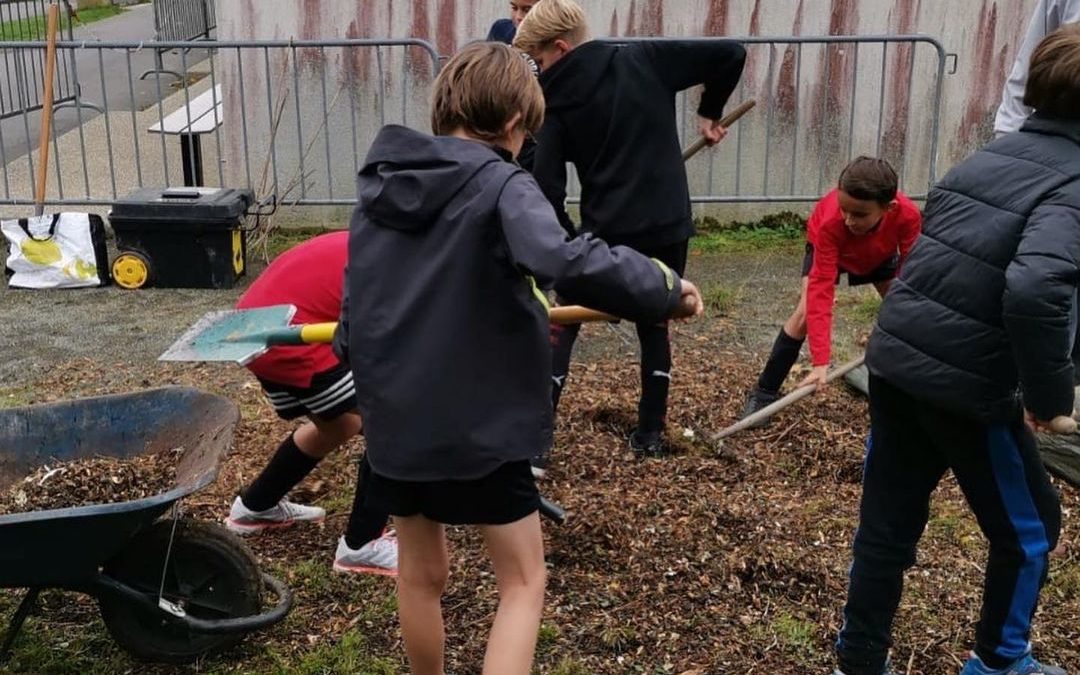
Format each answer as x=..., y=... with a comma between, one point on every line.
x=58, y=250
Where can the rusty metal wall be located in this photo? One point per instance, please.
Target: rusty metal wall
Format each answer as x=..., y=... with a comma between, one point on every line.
x=984, y=35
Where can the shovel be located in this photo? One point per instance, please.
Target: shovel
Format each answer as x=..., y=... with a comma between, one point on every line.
x=242, y=335
x=725, y=121
x=775, y=407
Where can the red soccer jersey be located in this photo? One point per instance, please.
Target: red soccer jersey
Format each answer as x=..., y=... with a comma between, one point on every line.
x=310, y=276
x=837, y=250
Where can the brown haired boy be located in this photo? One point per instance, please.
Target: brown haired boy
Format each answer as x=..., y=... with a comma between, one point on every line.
x=864, y=228
x=447, y=336
x=973, y=341
x=610, y=111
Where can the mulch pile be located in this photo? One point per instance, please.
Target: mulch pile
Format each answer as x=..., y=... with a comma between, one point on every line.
x=707, y=561
x=97, y=480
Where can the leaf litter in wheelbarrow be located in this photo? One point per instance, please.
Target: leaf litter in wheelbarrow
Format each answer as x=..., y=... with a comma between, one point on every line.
x=95, y=480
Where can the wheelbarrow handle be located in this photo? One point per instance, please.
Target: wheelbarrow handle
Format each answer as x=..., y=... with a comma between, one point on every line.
x=241, y=624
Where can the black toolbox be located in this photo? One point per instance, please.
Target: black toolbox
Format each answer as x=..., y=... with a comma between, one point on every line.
x=190, y=237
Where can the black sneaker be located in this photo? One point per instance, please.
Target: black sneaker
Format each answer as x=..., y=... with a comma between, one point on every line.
x=755, y=401
x=648, y=444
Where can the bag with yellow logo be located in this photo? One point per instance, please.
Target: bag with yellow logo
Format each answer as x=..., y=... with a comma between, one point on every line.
x=60, y=250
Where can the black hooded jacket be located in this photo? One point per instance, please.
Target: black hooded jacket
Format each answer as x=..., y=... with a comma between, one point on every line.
x=447, y=332
x=611, y=112
x=985, y=301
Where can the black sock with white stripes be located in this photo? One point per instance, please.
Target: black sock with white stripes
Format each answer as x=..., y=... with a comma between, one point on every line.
x=287, y=467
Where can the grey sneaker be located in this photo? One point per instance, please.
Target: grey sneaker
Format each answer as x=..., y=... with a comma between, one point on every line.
x=378, y=556
x=1026, y=665
x=755, y=401
x=243, y=520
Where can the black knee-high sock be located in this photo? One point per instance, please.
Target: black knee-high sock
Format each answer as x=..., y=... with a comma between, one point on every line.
x=562, y=347
x=365, y=522
x=785, y=353
x=287, y=467
x=655, y=344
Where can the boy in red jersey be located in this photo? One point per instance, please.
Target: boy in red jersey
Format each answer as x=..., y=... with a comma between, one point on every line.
x=310, y=381
x=864, y=228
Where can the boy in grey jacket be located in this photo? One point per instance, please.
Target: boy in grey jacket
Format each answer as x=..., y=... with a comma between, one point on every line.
x=447, y=333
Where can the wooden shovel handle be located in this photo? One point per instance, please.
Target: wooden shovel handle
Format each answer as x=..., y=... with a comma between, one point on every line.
x=569, y=314
x=798, y=394
x=46, y=110
x=726, y=121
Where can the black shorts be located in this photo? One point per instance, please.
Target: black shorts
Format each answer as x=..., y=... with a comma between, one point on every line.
x=886, y=271
x=504, y=496
x=331, y=395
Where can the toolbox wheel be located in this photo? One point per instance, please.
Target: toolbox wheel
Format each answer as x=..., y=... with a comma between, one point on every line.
x=211, y=574
x=131, y=270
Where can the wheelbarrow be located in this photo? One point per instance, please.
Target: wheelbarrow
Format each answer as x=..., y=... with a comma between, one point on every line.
x=169, y=589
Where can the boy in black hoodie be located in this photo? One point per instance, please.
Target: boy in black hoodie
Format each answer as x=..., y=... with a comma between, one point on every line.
x=611, y=111
x=446, y=331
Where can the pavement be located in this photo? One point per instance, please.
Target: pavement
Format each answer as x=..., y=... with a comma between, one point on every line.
x=110, y=81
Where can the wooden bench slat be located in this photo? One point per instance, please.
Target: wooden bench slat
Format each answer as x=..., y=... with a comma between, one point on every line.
x=199, y=117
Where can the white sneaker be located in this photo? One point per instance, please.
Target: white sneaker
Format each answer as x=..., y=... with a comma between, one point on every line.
x=243, y=520
x=378, y=556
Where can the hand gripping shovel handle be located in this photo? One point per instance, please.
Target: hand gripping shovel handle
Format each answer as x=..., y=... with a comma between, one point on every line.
x=726, y=121
x=1063, y=424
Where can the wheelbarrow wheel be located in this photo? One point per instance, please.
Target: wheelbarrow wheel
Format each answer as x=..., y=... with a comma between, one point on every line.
x=211, y=574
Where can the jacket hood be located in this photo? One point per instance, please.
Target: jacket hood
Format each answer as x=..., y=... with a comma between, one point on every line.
x=409, y=177
x=1040, y=124
x=574, y=79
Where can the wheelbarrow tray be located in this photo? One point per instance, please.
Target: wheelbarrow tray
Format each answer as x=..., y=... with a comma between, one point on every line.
x=67, y=547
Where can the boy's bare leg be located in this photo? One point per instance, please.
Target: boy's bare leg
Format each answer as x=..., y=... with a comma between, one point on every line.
x=320, y=437
x=795, y=326
x=517, y=553
x=423, y=568
x=882, y=287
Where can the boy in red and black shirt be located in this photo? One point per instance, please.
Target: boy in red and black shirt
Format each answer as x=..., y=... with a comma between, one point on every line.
x=311, y=381
x=864, y=228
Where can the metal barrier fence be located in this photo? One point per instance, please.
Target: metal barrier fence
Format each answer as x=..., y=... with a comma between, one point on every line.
x=822, y=100
x=293, y=120
x=176, y=20
x=21, y=73
x=183, y=19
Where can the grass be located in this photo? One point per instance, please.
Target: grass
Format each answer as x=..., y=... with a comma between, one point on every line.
x=719, y=300
x=347, y=655
x=33, y=27
x=284, y=238
x=795, y=634
x=570, y=667
x=866, y=307
x=779, y=230
x=14, y=397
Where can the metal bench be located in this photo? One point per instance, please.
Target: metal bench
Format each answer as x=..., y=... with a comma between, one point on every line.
x=202, y=115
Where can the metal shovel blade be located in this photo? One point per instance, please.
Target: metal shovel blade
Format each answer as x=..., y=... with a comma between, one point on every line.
x=237, y=336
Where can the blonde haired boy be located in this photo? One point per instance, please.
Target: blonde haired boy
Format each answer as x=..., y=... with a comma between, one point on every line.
x=611, y=112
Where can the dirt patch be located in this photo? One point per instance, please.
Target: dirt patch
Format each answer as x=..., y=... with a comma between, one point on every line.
x=704, y=562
